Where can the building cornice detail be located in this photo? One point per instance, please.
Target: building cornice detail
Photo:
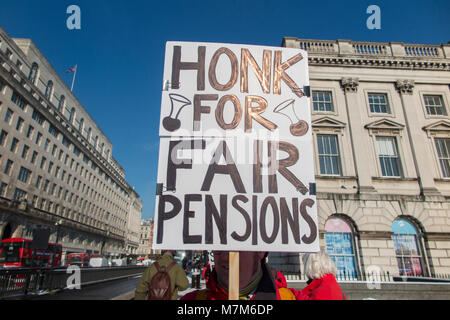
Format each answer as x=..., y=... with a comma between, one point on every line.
x=350, y=84
x=405, y=86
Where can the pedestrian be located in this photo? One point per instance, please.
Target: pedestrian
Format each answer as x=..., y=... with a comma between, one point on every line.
x=166, y=276
x=206, y=272
x=256, y=280
x=321, y=272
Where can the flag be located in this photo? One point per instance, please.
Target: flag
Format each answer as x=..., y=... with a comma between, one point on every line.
x=72, y=69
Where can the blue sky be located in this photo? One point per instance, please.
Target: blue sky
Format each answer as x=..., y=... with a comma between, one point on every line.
x=120, y=51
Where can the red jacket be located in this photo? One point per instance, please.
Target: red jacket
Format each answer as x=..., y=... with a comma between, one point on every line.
x=325, y=288
x=269, y=288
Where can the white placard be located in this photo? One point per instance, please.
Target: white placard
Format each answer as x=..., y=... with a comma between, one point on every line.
x=240, y=176
x=214, y=89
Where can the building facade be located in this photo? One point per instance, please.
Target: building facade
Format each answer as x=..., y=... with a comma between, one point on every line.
x=381, y=130
x=134, y=225
x=55, y=157
x=146, y=239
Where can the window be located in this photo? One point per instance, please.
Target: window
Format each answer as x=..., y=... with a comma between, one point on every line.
x=38, y=182
x=14, y=144
x=57, y=171
x=443, y=151
x=33, y=157
x=434, y=105
x=3, y=135
x=24, y=174
x=328, y=154
x=30, y=131
x=388, y=155
x=46, y=183
x=65, y=142
x=19, y=124
x=38, y=138
x=3, y=187
x=25, y=151
x=49, y=89
x=379, y=103
x=88, y=137
x=18, y=100
x=406, y=248
x=339, y=244
x=33, y=72
x=47, y=142
x=50, y=166
x=52, y=189
x=72, y=115
x=60, y=155
x=61, y=103
x=53, y=131
x=8, y=167
x=8, y=115
x=38, y=117
x=322, y=101
x=81, y=126
x=19, y=194
x=54, y=150
x=43, y=160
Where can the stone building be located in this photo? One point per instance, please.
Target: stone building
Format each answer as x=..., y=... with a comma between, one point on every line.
x=133, y=224
x=146, y=239
x=55, y=157
x=381, y=130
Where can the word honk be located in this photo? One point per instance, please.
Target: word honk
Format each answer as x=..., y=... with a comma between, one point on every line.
x=263, y=74
x=226, y=88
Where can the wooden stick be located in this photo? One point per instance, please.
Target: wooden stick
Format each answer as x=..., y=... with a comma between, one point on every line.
x=233, y=283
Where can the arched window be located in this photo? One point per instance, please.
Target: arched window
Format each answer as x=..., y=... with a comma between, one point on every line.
x=81, y=126
x=96, y=142
x=89, y=135
x=72, y=115
x=102, y=146
x=49, y=90
x=407, y=248
x=340, y=246
x=33, y=72
x=61, y=103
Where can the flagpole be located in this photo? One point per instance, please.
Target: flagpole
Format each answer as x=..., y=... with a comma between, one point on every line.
x=73, y=79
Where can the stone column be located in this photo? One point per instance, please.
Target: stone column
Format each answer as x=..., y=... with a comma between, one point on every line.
x=417, y=139
x=357, y=134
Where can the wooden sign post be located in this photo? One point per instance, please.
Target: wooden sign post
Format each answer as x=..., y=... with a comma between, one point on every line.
x=233, y=282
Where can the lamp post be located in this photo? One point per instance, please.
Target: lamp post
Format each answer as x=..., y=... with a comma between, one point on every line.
x=58, y=225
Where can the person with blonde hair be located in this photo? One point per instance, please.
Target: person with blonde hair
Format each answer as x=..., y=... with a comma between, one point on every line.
x=321, y=272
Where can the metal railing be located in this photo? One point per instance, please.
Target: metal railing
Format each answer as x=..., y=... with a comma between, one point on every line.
x=384, y=276
x=20, y=282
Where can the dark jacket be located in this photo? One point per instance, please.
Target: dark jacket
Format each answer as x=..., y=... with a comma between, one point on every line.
x=178, y=278
x=271, y=287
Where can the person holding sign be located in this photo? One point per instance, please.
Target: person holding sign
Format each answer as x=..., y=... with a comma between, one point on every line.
x=256, y=280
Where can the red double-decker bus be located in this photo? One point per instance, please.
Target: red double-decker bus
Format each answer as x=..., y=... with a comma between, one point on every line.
x=81, y=259
x=17, y=252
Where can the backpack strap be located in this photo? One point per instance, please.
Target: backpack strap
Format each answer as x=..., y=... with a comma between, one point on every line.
x=170, y=266
x=157, y=266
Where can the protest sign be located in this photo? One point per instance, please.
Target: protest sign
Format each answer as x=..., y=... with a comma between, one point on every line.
x=236, y=153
